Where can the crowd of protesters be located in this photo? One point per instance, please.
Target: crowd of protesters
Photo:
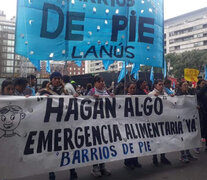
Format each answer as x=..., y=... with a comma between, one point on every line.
x=62, y=85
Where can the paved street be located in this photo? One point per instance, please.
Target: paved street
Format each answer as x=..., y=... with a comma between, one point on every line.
x=195, y=170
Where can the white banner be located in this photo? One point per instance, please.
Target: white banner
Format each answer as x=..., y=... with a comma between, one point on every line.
x=43, y=134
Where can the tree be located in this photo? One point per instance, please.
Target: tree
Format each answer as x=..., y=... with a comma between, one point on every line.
x=195, y=59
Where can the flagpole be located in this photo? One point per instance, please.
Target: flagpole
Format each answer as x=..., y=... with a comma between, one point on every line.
x=124, y=78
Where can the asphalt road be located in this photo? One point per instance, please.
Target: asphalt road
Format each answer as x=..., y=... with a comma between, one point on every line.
x=195, y=170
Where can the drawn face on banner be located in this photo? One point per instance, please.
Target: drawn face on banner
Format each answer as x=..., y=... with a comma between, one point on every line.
x=10, y=118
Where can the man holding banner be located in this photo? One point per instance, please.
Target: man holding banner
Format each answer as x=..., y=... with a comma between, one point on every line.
x=99, y=90
x=159, y=90
x=202, y=102
x=56, y=87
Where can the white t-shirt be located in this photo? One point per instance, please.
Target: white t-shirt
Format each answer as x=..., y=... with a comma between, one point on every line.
x=69, y=89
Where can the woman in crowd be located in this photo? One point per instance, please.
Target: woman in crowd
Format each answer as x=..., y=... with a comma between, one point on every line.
x=141, y=87
x=131, y=163
x=159, y=90
x=7, y=87
x=20, y=85
x=88, y=88
x=186, y=156
x=99, y=90
x=167, y=87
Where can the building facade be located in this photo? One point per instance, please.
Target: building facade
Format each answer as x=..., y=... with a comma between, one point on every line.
x=64, y=67
x=97, y=66
x=186, y=32
x=11, y=65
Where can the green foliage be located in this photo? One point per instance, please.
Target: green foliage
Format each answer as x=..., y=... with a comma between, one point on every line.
x=195, y=59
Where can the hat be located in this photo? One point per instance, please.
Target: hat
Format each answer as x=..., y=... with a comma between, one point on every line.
x=55, y=74
x=72, y=82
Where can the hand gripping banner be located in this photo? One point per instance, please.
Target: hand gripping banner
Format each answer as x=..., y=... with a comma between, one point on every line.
x=120, y=30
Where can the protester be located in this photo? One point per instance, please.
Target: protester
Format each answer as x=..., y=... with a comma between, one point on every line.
x=191, y=89
x=56, y=87
x=20, y=85
x=7, y=87
x=73, y=84
x=68, y=86
x=99, y=90
x=186, y=156
x=202, y=102
x=167, y=87
x=31, y=87
x=141, y=87
x=200, y=84
x=119, y=90
x=159, y=90
x=44, y=84
x=78, y=90
x=131, y=163
x=111, y=88
x=88, y=88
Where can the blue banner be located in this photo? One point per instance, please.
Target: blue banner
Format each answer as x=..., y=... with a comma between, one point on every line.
x=79, y=30
x=152, y=75
x=48, y=66
x=123, y=72
x=135, y=71
x=165, y=69
x=205, y=72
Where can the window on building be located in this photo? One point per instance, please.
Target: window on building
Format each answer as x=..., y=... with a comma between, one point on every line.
x=10, y=56
x=204, y=43
x=177, y=47
x=171, y=34
x=10, y=49
x=197, y=44
x=185, y=46
x=171, y=41
x=172, y=48
x=9, y=69
x=10, y=43
x=9, y=63
x=4, y=49
x=11, y=36
x=4, y=55
x=197, y=27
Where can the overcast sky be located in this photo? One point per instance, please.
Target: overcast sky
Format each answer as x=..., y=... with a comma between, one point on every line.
x=172, y=8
